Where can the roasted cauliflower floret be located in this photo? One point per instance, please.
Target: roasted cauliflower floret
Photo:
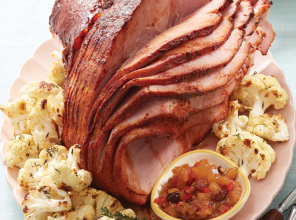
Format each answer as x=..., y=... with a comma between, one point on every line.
x=268, y=126
x=44, y=123
x=35, y=169
x=87, y=196
x=250, y=152
x=85, y=212
x=127, y=212
x=233, y=124
x=38, y=111
x=41, y=201
x=104, y=200
x=67, y=175
x=56, y=71
x=19, y=149
x=260, y=92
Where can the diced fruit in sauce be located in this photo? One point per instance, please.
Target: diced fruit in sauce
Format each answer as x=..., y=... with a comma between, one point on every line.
x=203, y=191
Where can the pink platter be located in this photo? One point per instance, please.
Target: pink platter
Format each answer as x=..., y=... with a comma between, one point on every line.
x=262, y=192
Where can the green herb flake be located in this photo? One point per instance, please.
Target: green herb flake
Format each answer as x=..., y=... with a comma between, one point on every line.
x=118, y=216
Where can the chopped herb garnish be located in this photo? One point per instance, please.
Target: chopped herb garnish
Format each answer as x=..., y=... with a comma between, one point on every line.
x=57, y=170
x=118, y=216
x=46, y=192
x=238, y=136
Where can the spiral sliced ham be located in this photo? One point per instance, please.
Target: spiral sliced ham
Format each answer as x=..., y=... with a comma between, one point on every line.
x=146, y=78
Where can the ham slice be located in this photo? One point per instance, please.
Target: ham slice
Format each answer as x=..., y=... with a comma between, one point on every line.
x=108, y=41
x=196, y=67
x=182, y=53
x=156, y=47
x=71, y=20
x=261, y=7
x=252, y=25
x=256, y=38
x=244, y=15
x=160, y=44
x=173, y=130
x=269, y=36
x=230, y=11
x=149, y=109
x=127, y=150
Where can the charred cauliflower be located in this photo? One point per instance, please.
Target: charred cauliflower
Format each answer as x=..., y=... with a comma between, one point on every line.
x=67, y=175
x=233, y=124
x=87, y=196
x=56, y=71
x=268, y=126
x=127, y=212
x=19, y=149
x=250, y=152
x=104, y=200
x=85, y=212
x=41, y=201
x=35, y=169
x=38, y=111
x=260, y=92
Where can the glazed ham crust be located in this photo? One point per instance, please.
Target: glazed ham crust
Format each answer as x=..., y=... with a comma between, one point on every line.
x=146, y=78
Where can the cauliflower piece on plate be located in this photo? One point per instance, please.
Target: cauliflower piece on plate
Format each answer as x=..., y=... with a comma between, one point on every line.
x=35, y=169
x=250, y=152
x=19, y=149
x=39, y=112
x=104, y=200
x=260, y=92
x=127, y=212
x=42, y=201
x=86, y=197
x=56, y=71
x=67, y=175
x=85, y=212
x=233, y=124
x=268, y=126
x=45, y=121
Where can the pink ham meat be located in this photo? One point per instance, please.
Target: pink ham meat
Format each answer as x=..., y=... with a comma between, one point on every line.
x=194, y=68
x=173, y=130
x=161, y=44
x=149, y=109
x=245, y=14
x=131, y=156
x=256, y=38
x=108, y=41
x=188, y=50
x=185, y=52
x=230, y=11
x=134, y=110
x=261, y=7
x=269, y=36
x=182, y=108
x=71, y=20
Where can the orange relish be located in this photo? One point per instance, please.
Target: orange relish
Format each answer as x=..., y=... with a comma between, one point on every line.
x=203, y=191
